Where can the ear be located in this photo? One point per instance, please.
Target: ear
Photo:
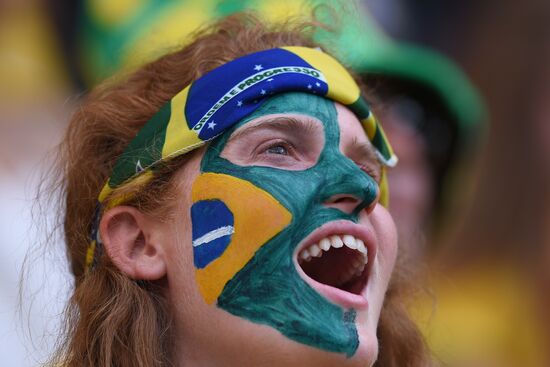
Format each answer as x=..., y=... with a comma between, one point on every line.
x=131, y=241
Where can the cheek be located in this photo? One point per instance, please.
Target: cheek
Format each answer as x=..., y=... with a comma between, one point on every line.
x=231, y=219
x=386, y=233
x=177, y=232
x=183, y=293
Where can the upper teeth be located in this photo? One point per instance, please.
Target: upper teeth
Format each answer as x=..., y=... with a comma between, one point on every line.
x=336, y=241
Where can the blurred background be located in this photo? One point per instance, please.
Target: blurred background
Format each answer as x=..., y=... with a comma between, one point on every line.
x=461, y=87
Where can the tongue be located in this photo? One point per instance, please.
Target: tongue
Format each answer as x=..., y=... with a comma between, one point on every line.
x=330, y=268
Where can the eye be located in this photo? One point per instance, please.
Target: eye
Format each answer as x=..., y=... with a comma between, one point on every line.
x=281, y=148
x=280, y=141
x=277, y=149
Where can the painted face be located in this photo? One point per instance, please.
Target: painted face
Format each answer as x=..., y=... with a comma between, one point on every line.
x=286, y=227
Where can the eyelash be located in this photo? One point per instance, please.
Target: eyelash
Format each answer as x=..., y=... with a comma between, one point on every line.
x=369, y=170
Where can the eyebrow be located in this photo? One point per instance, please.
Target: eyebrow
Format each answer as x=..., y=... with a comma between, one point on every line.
x=291, y=124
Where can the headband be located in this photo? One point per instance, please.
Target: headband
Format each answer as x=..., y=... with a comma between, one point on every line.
x=224, y=96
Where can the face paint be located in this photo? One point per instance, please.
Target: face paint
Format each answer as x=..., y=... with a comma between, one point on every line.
x=254, y=275
x=229, y=226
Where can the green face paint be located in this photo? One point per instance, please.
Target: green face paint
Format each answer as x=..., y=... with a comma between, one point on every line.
x=268, y=289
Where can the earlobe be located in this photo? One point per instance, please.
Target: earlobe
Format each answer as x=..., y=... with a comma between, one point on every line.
x=131, y=243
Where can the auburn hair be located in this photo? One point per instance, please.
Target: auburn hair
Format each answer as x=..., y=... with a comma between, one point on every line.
x=112, y=320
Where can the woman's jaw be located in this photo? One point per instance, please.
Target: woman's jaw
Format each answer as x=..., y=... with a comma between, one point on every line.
x=210, y=336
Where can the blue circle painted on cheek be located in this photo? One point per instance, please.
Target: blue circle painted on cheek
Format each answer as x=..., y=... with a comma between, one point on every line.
x=213, y=226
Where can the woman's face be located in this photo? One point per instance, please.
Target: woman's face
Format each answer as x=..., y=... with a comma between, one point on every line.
x=279, y=253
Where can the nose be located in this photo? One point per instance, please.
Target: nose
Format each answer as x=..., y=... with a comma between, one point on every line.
x=350, y=190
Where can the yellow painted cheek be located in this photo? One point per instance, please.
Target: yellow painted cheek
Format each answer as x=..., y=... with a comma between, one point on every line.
x=258, y=217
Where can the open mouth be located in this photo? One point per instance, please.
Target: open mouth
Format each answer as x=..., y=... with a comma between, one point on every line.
x=338, y=261
x=335, y=261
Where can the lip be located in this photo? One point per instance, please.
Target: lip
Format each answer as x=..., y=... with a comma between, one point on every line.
x=333, y=294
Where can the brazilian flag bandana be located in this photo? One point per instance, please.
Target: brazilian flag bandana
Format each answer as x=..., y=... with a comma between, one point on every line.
x=224, y=96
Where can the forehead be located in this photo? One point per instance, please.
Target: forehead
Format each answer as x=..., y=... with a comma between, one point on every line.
x=339, y=122
x=317, y=107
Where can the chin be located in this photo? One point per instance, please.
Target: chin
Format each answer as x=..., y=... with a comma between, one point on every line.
x=304, y=356
x=367, y=352
x=265, y=346
x=365, y=355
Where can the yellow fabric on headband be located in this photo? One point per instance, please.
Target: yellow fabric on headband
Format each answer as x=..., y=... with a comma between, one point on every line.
x=178, y=133
x=341, y=86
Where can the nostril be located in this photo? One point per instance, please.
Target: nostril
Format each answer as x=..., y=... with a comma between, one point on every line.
x=345, y=203
x=346, y=199
x=342, y=198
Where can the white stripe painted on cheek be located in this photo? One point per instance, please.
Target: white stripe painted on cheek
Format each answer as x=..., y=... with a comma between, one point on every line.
x=214, y=235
